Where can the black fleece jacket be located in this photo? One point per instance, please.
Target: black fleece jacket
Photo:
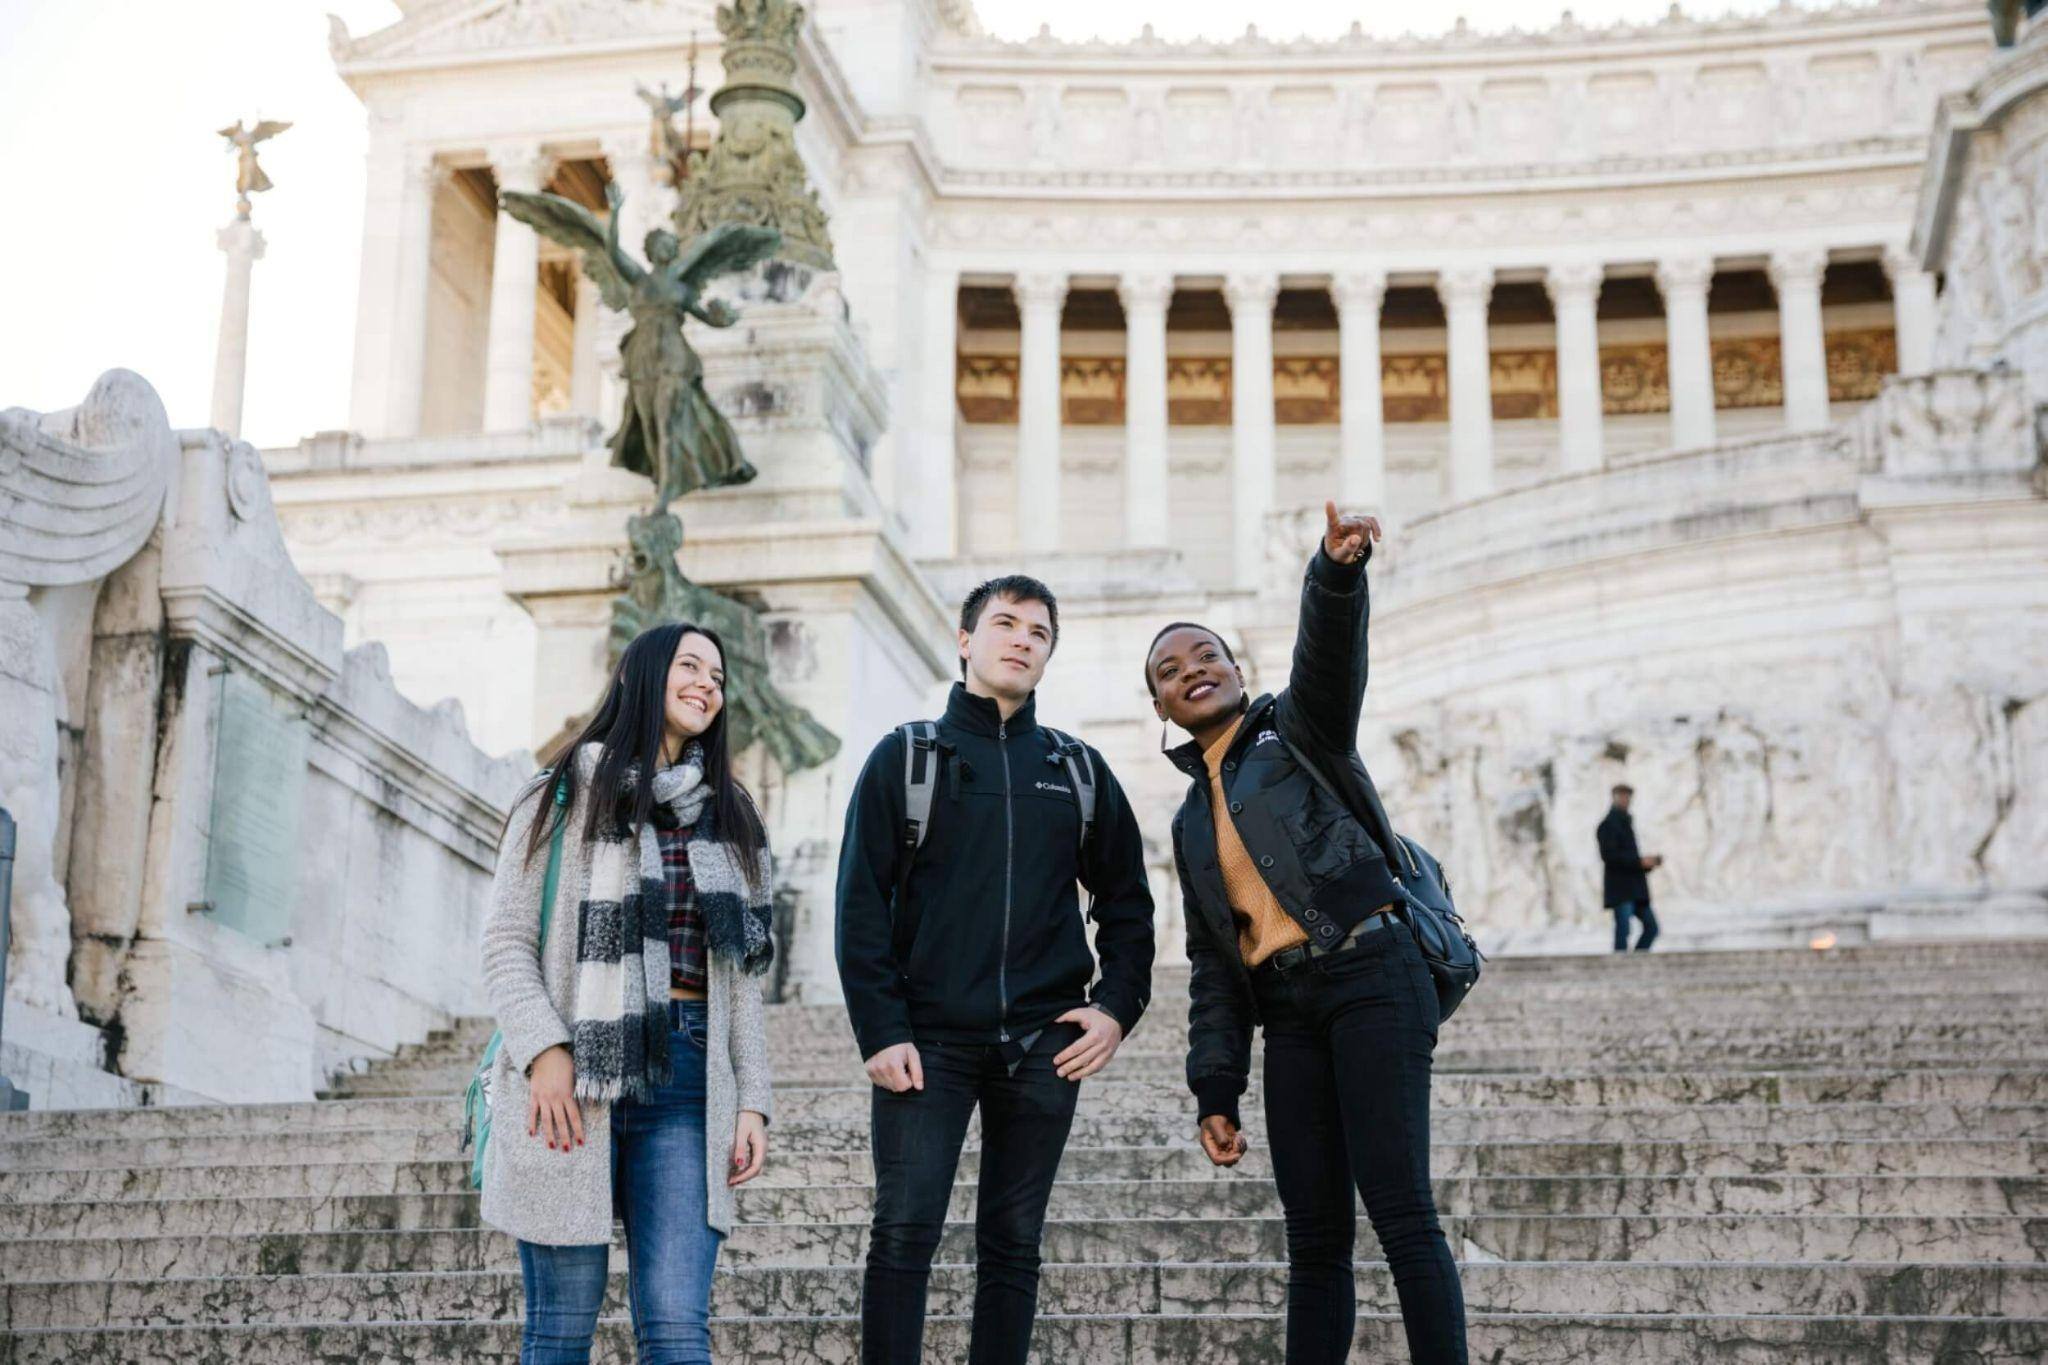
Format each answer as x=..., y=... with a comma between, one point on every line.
x=990, y=946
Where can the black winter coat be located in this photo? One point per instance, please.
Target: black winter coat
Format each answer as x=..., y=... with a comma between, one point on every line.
x=1625, y=881
x=990, y=946
x=1326, y=868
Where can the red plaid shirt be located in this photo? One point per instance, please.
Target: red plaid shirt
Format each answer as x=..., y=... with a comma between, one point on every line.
x=685, y=920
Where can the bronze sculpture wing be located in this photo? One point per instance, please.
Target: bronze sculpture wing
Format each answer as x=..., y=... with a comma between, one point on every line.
x=724, y=249
x=573, y=226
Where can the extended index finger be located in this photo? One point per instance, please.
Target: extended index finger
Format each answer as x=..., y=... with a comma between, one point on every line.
x=1330, y=515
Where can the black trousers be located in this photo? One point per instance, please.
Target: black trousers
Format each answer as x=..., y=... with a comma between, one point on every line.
x=1349, y=1040
x=1025, y=1118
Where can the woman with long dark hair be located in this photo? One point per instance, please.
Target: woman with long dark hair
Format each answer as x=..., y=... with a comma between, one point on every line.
x=1289, y=898
x=633, y=1076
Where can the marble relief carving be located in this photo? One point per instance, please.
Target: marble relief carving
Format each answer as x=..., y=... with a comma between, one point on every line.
x=1634, y=378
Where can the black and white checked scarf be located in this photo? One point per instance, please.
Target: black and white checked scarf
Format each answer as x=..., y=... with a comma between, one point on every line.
x=622, y=967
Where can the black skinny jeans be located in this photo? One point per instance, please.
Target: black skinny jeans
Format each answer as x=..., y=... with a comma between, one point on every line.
x=1025, y=1118
x=1349, y=1039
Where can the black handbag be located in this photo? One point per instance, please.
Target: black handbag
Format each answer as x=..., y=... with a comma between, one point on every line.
x=1425, y=906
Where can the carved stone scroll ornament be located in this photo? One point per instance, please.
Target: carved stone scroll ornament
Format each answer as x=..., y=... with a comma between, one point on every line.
x=80, y=493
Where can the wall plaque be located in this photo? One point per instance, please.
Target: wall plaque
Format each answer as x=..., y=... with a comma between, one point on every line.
x=259, y=782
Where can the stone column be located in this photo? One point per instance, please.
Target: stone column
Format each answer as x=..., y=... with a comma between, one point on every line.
x=1250, y=295
x=1575, y=298
x=1361, y=435
x=1145, y=299
x=515, y=266
x=244, y=247
x=936, y=498
x=1913, y=307
x=1802, y=344
x=1040, y=299
x=1465, y=292
x=377, y=283
x=409, y=312
x=586, y=364
x=1689, y=356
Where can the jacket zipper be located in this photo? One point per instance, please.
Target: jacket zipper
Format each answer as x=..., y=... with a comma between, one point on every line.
x=1009, y=862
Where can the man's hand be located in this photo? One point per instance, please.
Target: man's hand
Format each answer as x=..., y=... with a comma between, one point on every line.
x=1089, y=1053
x=551, y=1099
x=1344, y=538
x=897, y=1068
x=1653, y=862
x=1221, y=1140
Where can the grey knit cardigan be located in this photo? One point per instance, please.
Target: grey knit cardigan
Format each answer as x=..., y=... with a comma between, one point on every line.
x=565, y=1198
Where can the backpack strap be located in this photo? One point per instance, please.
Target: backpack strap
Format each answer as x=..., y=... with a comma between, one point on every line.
x=920, y=780
x=1081, y=772
x=554, y=877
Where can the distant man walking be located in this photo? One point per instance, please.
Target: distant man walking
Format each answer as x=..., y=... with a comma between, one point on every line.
x=1628, y=873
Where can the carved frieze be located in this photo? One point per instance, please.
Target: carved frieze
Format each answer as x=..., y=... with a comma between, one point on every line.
x=1634, y=378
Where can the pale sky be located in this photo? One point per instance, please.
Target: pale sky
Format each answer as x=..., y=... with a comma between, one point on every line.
x=107, y=117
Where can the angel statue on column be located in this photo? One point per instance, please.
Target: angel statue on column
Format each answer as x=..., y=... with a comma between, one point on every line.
x=670, y=431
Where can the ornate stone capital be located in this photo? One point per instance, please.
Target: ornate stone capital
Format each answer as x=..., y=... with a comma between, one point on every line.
x=1358, y=290
x=1798, y=269
x=1901, y=262
x=1145, y=293
x=1251, y=290
x=1040, y=289
x=1465, y=286
x=1683, y=276
x=520, y=166
x=1574, y=282
x=423, y=169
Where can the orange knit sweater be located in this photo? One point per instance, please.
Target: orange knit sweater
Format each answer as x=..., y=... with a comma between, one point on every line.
x=1263, y=928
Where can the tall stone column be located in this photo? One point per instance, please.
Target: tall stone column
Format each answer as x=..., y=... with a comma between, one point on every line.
x=244, y=247
x=515, y=266
x=1361, y=435
x=1041, y=297
x=1913, y=309
x=1465, y=292
x=1689, y=356
x=586, y=352
x=1145, y=299
x=936, y=498
x=415, y=250
x=1802, y=344
x=377, y=282
x=1575, y=298
x=1251, y=295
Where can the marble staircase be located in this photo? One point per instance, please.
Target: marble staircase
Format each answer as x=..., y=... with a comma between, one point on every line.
x=1728, y=1157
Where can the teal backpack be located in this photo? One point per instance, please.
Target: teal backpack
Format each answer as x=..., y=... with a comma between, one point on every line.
x=476, y=1102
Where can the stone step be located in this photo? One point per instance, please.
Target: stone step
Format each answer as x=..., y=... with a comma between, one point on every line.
x=1124, y=1339
x=1846, y=1289
x=1871, y=1195
x=335, y=1164
x=260, y=1133
x=1171, y=1124
x=1736, y=1238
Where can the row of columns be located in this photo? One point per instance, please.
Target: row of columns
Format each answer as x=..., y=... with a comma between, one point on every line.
x=1466, y=293
x=391, y=367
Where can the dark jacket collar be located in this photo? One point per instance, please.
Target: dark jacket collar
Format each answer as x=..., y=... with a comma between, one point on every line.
x=981, y=716
x=1188, y=757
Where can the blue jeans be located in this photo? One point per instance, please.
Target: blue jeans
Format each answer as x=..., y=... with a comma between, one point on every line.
x=671, y=1250
x=1638, y=910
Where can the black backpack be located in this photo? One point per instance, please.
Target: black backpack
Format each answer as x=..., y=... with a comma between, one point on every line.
x=1425, y=907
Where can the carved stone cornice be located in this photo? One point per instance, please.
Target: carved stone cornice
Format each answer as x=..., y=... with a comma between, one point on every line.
x=465, y=28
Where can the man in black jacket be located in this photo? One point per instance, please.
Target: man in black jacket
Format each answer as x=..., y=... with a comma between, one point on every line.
x=1627, y=873
x=967, y=973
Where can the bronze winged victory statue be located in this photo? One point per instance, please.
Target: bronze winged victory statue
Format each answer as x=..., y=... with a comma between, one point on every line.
x=670, y=431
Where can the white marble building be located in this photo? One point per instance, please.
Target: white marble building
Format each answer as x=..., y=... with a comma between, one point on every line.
x=1626, y=330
